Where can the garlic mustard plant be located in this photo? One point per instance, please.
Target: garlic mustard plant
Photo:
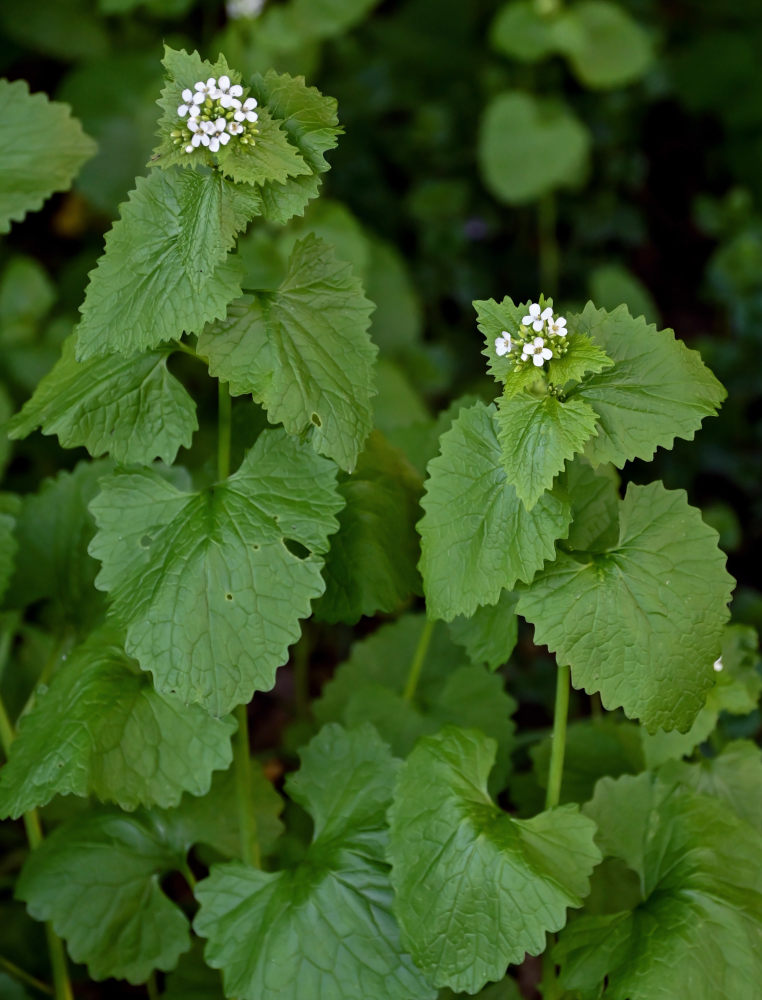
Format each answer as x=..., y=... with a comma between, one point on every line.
x=251, y=493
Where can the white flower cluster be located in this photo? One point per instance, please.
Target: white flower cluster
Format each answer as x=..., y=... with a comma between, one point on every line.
x=552, y=343
x=244, y=8
x=213, y=113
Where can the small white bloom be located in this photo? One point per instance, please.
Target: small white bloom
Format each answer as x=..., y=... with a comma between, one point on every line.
x=503, y=344
x=557, y=327
x=234, y=128
x=718, y=664
x=537, y=351
x=533, y=318
x=189, y=149
x=244, y=8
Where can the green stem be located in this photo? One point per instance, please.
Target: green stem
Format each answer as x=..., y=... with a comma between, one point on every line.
x=24, y=977
x=558, y=739
x=152, y=987
x=549, y=257
x=416, y=664
x=224, y=415
x=33, y=828
x=247, y=822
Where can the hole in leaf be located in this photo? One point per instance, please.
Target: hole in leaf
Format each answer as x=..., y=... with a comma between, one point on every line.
x=316, y=420
x=145, y=541
x=296, y=548
x=228, y=597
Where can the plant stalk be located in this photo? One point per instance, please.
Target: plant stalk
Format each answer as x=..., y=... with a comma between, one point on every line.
x=23, y=976
x=548, y=242
x=416, y=664
x=558, y=738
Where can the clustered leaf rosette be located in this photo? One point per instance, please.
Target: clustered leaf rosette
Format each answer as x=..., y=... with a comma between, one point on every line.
x=213, y=113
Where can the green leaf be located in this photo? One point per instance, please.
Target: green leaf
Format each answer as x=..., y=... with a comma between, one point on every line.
x=594, y=748
x=657, y=390
x=54, y=528
x=696, y=930
x=8, y=548
x=522, y=32
x=303, y=352
x=529, y=146
x=193, y=979
x=605, y=46
x=205, y=582
x=490, y=634
x=164, y=270
x=329, y=925
x=372, y=686
x=640, y=622
x=327, y=18
x=612, y=284
x=312, y=126
x=96, y=879
x=465, y=873
x=101, y=729
x=43, y=149
x=582, y=358
x=371, y=565
x=738, y=685
x=214, y=819
x=594, y=495
x=384, y=659
x=538, y=435
x=733, y=776
x=129, y=407
x=477, y=538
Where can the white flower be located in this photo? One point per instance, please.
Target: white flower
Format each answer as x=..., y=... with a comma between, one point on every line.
x=234, y=128
x=718, y=664
x=557, y=327
x=503, y=344
x=246, y=111
x=537, y=351
x=535, y=319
